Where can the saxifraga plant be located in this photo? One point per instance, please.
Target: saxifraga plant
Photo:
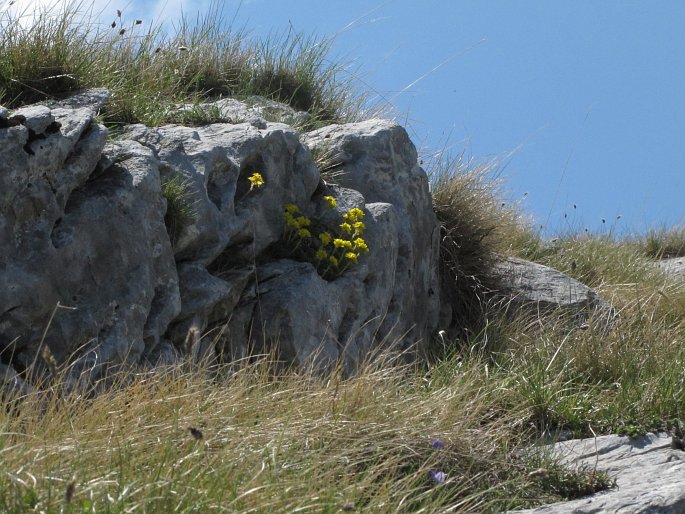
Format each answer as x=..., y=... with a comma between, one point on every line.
x=332, y=254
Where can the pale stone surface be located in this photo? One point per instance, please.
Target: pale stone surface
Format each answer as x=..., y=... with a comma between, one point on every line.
x=528, y=284
x=82, y=227
x=93, y=98
x=377, y=159
x=649, y=473
x=674, y=267
x=81, y=233
x=229, y=277
x=255, y=110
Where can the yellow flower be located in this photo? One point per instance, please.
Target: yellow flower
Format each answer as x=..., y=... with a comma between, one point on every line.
x=291, y=208
x=359, y=227
x=256, y=180
x=351, y=256
x=330, y=201
x=339, y=243
x=333, y=261
x=325, y=238
x=354, y=215
x=360, y=245
x=320, y=254
x=291, y=221
x=303, y=221
x=304, y=233
x=346, y=228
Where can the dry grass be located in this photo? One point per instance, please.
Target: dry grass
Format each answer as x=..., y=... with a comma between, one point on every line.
x=262, y=440
x=476, y=228
x=151, y=70
x=254, y=442
x=664, y=243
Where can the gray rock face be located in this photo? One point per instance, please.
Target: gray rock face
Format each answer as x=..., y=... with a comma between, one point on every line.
x=11, y=384
x=649, y=473
x=531, y=285
x=85, y=236
x=377, y=159
x=256, y=111
x=232, y=276
x=88, y=259
x=93, y=99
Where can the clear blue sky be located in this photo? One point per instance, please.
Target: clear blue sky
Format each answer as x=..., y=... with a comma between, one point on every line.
x=583, y=100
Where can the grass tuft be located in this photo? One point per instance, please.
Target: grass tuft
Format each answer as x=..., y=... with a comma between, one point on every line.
x=664, y=243
x=151, y=70
x=180, y=209
x=475, y=228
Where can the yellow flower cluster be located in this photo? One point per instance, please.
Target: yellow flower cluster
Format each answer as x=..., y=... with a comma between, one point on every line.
x=331, y=254
x=330, y=201
x=256, y=180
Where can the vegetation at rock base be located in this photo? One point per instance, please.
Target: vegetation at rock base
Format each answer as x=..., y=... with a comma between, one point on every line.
x=446, y=435
x=254, y=440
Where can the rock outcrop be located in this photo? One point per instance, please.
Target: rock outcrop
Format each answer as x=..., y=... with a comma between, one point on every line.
x=532, y=286
x=649, y=474
x=99, y=269
x=87, y=270
x=673, y=267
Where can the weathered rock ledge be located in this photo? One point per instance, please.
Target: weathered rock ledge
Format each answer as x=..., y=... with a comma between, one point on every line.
x=93, y=276
x=649, y=473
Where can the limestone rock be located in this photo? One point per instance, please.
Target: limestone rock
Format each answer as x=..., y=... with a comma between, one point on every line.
x=255, y=110
x=377, y=159
x=235, y=279
x=84, y=251
x=117, y=267
x=530, y=285
x=93, y=99
x=649, y=472
x=673, y=267
x=12, y=386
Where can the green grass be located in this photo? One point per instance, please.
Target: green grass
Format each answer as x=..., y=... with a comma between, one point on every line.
x=628, y=380
x=664, y=243
x=268, y=439
x=150, y=69
x=180, y=209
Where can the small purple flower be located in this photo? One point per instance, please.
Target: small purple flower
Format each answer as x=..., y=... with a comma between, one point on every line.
x=437, y=444
x=437, y=476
